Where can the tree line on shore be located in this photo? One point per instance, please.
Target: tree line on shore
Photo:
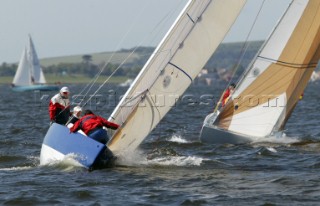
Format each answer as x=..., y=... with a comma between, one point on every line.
x=228, y=56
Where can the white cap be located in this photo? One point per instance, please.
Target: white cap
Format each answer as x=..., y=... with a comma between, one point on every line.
x=77, y=109
x=64, y=89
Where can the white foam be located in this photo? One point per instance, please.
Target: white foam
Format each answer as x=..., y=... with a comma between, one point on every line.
x=178, y=139
x=139, y=158
x=16, y=168
x=70, y=159
x=278, y=138
x=131, y=158
x=271, y=149
x=177, y=161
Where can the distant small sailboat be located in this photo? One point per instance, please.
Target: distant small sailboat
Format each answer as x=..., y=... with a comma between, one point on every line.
x=127, y=83
x=29, y=75
x=269, y=90
x=180, y=56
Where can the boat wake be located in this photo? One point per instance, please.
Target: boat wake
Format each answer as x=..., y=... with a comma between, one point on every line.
x=277, y=139
x=164, y=161
x=160, y=157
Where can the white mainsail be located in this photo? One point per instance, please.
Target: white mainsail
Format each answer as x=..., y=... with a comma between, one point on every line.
x=29, y=71
x=23, y=76
x=195, y=35
x=270, y=89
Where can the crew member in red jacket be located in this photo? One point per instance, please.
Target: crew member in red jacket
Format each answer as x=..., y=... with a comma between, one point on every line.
x=92, y=126
x=59, y=107
x=228, y=94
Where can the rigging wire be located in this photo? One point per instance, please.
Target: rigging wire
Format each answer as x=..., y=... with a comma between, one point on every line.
x=111, y=57
x=94, y=80
x=243, y=52
x=152, y=81
x=170, y=13
x=246, y=44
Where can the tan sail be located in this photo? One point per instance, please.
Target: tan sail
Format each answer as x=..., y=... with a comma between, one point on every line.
x=271, y=88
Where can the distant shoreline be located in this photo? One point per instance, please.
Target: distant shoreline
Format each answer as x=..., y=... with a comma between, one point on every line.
x=52, y=79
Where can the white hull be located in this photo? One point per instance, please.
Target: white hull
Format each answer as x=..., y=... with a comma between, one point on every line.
x=49, y=155
x=214, y=135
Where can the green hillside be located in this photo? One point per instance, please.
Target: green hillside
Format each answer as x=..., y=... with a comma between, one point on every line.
x=97, y=58
x=128, y=62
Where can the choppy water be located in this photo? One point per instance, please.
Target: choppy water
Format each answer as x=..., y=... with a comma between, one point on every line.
x=171, y=168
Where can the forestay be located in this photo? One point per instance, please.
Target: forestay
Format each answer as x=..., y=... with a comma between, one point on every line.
x=185, y=49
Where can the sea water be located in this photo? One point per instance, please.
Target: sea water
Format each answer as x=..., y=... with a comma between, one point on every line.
x=171, y=167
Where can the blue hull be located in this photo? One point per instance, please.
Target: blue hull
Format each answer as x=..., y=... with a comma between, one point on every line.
x=35, y=87
x=59, y=142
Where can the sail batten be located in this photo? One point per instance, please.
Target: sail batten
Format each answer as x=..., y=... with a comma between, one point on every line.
x=183, y=71
x=180, y=56
x=312, y=64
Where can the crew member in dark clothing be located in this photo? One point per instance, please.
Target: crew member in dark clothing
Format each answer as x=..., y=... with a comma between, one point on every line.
x=92, y=126
x=59, y=107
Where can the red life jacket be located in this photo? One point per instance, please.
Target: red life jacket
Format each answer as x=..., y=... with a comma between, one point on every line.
x=91, y=122
x=225, y=97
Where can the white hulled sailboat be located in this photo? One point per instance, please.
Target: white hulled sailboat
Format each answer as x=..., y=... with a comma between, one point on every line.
x=29, y=75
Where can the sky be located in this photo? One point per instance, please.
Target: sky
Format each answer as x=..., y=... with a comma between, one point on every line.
x=71, y=27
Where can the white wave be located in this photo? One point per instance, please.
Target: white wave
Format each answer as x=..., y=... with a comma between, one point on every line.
x=131, y=158
x=177, y=161
x=69, y=162
x=178, y=139
x=278, y=139
x=35, y=160
x=70, y=159
x=16, y=168
x=138, y=158
x=271, y=149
